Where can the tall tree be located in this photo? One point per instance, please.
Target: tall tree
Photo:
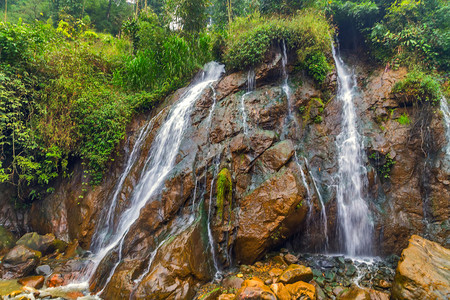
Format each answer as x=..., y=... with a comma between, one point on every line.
x=192, y=15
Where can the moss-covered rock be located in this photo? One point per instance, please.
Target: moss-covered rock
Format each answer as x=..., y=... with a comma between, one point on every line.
x=224, y=191
x=35, y=241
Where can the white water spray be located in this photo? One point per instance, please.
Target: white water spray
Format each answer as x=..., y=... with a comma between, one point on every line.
x=446, y=113
x=356, y=227
x=107, y=220
x=160, y=162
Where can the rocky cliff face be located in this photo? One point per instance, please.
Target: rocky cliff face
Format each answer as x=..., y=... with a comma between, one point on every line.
x=265, y=203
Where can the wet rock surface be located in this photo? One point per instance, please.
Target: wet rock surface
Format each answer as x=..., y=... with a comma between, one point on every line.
x=423, y=271
x=267, y=203
x=314, y=277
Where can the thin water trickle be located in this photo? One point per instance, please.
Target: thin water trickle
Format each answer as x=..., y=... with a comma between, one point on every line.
x=285, y=86
x=323, y=212
x=251, y=85
x=305, y=184
x=210, y=235
x=159, y=163
x=356, y=227
x=446, y=113
x=287, y=91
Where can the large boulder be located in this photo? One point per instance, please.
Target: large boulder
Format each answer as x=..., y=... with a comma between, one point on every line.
x=177, y=267
x=20, y=254
x=20, y=261
x=42, y=243
x=296, y=273
x=269, y=214
x=423, y=271
x=302, y=290
x=255, y=289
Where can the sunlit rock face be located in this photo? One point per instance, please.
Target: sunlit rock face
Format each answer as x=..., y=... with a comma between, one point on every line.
x=185, y=234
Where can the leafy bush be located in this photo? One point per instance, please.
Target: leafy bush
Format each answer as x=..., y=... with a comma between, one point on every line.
x=250, y=38
x=415, y=32
x=162, y=58
x=418, y=86
x=317, y=66
x=362, y=14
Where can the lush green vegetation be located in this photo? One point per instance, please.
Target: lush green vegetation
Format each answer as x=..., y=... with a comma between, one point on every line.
x=306, y=32
x=73, y=73
x=68, y=92
x=414, y=32
x=418, y=86
x=404, y=119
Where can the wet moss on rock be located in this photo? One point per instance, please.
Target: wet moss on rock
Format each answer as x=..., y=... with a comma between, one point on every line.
x=224, y=190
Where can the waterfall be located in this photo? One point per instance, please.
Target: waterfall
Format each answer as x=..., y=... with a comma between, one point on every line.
x=353, y=212
x=285, y=86
x=446, y=113
x=107, y=218
x=160, y=161
x=251, y=84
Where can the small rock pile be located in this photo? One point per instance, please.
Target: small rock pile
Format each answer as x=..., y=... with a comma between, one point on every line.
x=36, y=261
x=287, y=276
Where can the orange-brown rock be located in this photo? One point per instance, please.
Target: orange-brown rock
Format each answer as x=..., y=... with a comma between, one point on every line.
x=255, y=289
x=355, y=293
x=55, y=280
x=275, y=272
x=423, y=271
x=280, y=291
x=278, y=155
x=268, y=215
x=295, y=273
x=227, y=297
x=178, y=266
x=302, y=290
x=33, y=281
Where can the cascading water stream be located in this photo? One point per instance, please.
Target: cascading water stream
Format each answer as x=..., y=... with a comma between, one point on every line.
x=159, y=163
x=210, y=235
x=287, y=91
x=107, y=219
x=354, y=220
x=446, y=113
x=251, y=84
x=305, y=184
x=323, y=212
x=285, y=86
